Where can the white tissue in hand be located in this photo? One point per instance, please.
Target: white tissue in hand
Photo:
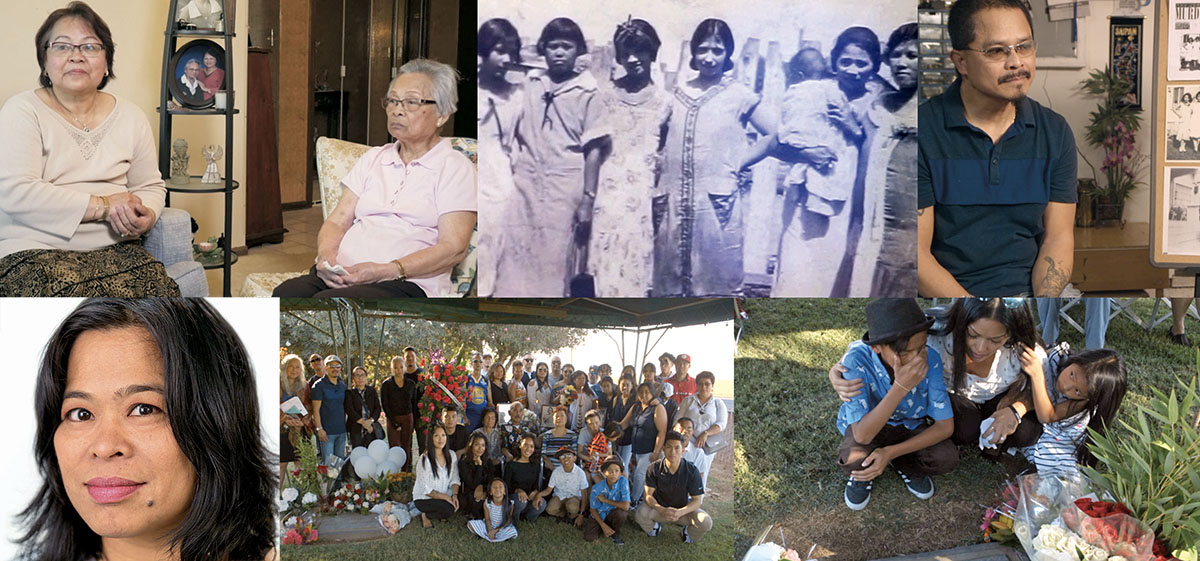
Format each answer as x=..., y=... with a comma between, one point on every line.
x=983, y=427
x=333, y=268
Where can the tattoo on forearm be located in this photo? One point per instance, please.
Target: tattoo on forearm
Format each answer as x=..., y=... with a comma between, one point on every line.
x=1055, y=280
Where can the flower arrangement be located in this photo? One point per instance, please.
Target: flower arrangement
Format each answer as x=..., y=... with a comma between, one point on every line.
x=352, y=497
x=299, y=530
x=568, y=395
x=1112, y=128
x=1073, y=524
x=450, y=375
x=397, y=486
x=998, y=519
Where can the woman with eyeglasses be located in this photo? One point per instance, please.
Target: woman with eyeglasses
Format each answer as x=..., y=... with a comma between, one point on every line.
x=709, y=417
x=980, y=341
x=79, y=178
x=407, y=209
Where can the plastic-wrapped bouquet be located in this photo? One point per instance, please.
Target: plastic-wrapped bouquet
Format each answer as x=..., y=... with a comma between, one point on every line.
x=1062, y=519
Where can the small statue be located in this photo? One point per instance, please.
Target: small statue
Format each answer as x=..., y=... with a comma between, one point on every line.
x=179, y=162
x=211, y=153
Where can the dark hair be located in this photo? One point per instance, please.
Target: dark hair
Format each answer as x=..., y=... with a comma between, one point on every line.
x=608, y=379
x=492, y=410
x=667, y=356
x=539, y=367
x=209, y=390
x=613, y=430
x=961, y=21
x=646, y=385
x=604, y=366
x=562, y=28
x=433, y=467
x=1107, y=383
x=636, y=35
x=685, y=418
x=591, y=413
x=711, y=27
x=861, y=37
x=706, y=374
x=492, y=371
x=1017, y=320
x=902, y=34
x=521, y=438
x=673, y=435
x=795, y=67
x=498, y=34
x=90, y=17
x=494, y=480
x=407, y=349
x=476, y=434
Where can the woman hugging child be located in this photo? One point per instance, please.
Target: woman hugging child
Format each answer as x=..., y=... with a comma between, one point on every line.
x=1072, y=393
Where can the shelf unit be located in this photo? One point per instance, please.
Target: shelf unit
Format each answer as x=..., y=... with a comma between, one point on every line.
x=171, y=41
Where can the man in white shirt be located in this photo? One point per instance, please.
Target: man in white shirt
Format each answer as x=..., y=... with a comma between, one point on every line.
x=192, y=93
x=568, y=483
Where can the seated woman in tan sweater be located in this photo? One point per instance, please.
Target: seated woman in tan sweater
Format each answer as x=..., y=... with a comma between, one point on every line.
x=79, y=181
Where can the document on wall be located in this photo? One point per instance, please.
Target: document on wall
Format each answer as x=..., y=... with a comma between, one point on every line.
x=1183, y=40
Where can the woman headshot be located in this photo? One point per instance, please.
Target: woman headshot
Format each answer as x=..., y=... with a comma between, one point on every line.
x=407, y=209
x=79, y=177
x=154, y=451
x=211, y=77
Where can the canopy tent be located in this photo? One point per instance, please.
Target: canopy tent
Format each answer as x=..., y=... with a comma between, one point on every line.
x=640, y=316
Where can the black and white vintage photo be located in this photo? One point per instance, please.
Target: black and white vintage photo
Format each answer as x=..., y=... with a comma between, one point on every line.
x=697, y=148
x=1182, y=199
x=1183, y=123
x=1183, y=42
x=199, y=74
x=202, y=14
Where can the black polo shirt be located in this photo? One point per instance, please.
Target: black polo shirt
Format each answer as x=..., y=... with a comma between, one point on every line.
x=989, y=198
x=674, y=490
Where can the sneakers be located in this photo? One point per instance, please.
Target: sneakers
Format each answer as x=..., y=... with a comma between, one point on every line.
x=616, y=538
x=655, y=531
x=684, y=536
x=921, y=487
x=858, y=494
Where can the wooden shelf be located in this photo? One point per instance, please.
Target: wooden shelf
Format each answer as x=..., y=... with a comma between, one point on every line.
x=195, y=186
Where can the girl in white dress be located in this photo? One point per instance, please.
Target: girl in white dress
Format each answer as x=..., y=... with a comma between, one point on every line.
x=497, y=523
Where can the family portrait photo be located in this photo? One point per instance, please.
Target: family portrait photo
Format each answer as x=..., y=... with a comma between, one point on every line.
x=762, y=149
x=433, y=435
x=199, y=74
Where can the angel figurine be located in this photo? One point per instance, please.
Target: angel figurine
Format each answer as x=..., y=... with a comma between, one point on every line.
x=211, y=153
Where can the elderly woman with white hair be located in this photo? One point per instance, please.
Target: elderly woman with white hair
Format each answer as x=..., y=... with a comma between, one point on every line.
x=407, y=208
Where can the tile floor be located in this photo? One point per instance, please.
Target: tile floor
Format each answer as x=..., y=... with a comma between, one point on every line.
x=295, y=254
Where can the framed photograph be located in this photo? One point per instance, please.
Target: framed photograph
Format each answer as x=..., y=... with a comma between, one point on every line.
x=1181, y=235
x=1125, y=51
x=547, y=416
x=197, y=74
x=1182, y=124
x=207, y=15
x=1182, y=58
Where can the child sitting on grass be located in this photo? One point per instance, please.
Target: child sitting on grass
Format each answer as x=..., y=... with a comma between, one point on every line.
x=497, y=524
x=903, y=416
x=1072, y=393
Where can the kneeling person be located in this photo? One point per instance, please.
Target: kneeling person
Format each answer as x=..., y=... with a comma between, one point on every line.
x=568, y=483
x=609, y=502
x=674, y=492
x=902, y=417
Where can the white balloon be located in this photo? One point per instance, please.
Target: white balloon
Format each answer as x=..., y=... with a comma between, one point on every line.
x=375, y=471
x=378, y=451
x=358, y=451
x=364, y=466
x=397, y=455
x=389, y=467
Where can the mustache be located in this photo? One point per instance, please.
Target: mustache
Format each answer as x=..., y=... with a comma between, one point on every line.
x=1013, y=76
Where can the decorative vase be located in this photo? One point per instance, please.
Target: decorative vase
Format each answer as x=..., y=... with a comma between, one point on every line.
x=1108, y=213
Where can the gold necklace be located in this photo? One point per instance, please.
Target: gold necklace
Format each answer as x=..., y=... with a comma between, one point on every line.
x=82, y=124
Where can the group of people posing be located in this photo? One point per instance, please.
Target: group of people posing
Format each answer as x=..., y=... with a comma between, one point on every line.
x=919, y=385
x=578, y=445
x=647, y=182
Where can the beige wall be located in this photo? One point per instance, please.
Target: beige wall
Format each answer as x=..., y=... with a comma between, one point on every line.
x=295, y=97
x=1059, y=90
x=137, y=27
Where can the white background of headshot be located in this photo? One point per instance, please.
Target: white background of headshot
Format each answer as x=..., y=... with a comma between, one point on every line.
x=26, y=325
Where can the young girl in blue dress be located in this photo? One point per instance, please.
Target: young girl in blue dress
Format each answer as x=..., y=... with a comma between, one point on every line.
x=497, y=524
x=1072, y=392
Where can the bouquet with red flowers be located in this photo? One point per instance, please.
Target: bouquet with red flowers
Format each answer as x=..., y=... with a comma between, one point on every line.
x=1072, y=516
x=444, y=384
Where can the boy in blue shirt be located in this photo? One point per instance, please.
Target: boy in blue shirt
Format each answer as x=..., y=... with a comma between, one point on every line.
x=903, y=416
x=609, y=503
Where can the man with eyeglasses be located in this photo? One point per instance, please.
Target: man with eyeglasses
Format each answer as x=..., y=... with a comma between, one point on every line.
x=190, y=88
x=329, y=411
x=996, y=170
x=527, y=370
x=318, y=368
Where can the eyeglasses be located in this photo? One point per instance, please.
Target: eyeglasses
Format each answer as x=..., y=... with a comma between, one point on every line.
x=411, y=104
x=1000, y=52
x=334, y=367
x=63, y=49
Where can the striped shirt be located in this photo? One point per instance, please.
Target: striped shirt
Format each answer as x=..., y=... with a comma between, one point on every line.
x=551, y=444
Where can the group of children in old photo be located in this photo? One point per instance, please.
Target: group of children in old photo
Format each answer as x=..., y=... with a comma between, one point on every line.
x=923, y=387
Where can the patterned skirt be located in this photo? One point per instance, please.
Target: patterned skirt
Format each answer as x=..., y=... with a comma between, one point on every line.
x=124, y=270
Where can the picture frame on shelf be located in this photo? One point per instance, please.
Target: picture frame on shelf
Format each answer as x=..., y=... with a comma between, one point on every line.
x=202, y=15
x=197, y=74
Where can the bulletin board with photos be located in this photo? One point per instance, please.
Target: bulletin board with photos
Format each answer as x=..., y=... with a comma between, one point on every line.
x=1175, y=131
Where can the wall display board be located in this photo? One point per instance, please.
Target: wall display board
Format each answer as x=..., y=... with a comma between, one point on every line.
x=1175, y=131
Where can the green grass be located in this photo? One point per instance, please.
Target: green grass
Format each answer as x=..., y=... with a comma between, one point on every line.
x=784, y=467
x=547, y=539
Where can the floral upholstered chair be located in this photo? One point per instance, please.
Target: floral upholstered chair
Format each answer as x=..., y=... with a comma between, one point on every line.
x=335, y=158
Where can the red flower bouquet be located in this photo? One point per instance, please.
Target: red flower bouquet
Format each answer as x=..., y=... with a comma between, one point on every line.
x=444, y=385
x=1110, y=526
